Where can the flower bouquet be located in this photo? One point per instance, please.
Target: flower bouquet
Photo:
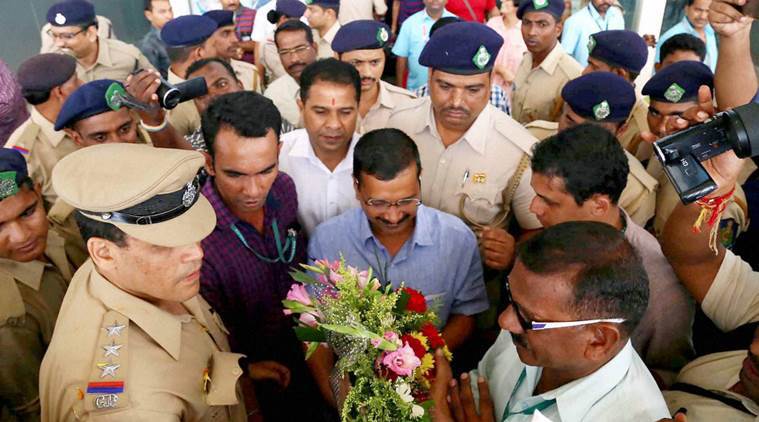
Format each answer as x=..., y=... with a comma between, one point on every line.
x=385, y=339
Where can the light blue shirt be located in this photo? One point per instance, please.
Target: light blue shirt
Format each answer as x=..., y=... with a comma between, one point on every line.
x=622, y=390
x=684, y=27
x=412, y=38
x=441, y=259
x=584, y=23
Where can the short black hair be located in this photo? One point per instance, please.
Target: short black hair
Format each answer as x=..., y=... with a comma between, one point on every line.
x=682, y=42
x=443, y=22
x=180, y=54
x=294, y=25
x=330, y=7
x=201, y=63
x=35, y=97
x=383, y=153
x=89, y=228
x=608, y=276
x=329, y=70
x=588, y=158
x=248, y=113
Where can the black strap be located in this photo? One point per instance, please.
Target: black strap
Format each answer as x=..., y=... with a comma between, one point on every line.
x=698, y=391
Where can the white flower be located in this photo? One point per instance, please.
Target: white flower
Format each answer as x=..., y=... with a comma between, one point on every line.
x=417, y=411
x=404, y=390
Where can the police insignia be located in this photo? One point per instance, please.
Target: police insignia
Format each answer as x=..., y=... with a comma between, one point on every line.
x=188, y=198
x=591, y=44
x=481, y=57
x=601, y=110
x=8, y=186
x=539, y=4
x=674, y=93
x=60, y=19
x=382, y=36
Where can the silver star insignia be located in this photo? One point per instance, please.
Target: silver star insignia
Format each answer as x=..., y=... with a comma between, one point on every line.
x=115, y=329
x=109, y=369
x=113, y=349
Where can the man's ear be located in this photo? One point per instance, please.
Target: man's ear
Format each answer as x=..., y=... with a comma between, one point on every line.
x=104, y=253
x=209, y=163
x=600, y=204
x=74, y=135
x=603, y=341
x=300, y=105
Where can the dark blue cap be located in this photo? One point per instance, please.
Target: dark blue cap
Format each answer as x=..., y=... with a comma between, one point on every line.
x=221, y=17
x=44, y=72
x=361, y=35
x=554, y=7
x=600, y=96
x=290, y=8
x=88, y=100
x=70, y=13
x=679, y=82
x=619, y=48
x=13, y=172
x=188, y=30
x=327, y=3
x=464, y=48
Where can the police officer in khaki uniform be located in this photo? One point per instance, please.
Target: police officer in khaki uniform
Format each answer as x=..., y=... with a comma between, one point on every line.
x=134, y=339
x=74, y=30
x=46, y=82
x=227, y=47
x=361, y=44
x=624, y=53
x=105, y=30
x=672, y=91
x=34, y=275
x=546, y=67
x=605, y=99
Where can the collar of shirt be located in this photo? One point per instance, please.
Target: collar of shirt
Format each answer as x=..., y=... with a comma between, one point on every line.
x=385, y=99
x=173, y=78
x=54, y=136
x=477, y=134
x=30, y=273
x=597, y=16
x=551, y=62
x=330, y=35
x=423, y=229
x=302, y=148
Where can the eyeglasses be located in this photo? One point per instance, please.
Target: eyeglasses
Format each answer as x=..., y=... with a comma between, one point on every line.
x=295, y=50
x=383, y=205
x=528, y=325
x=66, y=36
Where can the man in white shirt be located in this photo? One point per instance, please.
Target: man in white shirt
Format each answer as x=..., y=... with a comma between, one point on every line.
x=587, y=280
x=319, y=158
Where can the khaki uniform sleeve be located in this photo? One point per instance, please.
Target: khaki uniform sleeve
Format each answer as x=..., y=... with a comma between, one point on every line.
x=639, y=196
x=521, y=203
x=733, y=299
x=21, y=352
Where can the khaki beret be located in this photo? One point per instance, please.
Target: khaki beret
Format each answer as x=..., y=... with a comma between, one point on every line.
x=152, y=194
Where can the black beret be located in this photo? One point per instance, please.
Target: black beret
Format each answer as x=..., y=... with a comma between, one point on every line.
x=188, y=30
x=290, y=8
x=44, y=72
x=600, y=96
x=361, y=35
x=679, y=82
x=88, y=100
x=221, y=17
x=464, y=48
x=554, y=7
x=13, y=172
x=70, y=13
x=619, y=48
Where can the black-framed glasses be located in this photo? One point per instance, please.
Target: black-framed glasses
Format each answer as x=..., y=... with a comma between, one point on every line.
x=528, y=325
x=384, y=205
x=66, y=36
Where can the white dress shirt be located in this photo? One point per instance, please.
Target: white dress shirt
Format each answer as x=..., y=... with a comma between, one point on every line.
x=322, y=193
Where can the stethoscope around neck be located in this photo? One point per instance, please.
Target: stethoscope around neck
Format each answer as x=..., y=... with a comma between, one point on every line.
x=285, y=251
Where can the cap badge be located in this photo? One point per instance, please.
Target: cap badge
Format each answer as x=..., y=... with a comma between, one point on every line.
x=309, y=2
x=188, y=198
x=481, y=58
x=674, y=93
x=8, y=186
x=382, y=36
x=60, y=19
x=601, y=110
x=591, y=44
x=539, y=4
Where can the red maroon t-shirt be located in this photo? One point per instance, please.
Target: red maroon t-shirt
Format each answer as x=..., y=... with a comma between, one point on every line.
x=480, y=8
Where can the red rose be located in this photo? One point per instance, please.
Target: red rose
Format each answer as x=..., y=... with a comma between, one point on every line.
x=432, y=334
x=415, y=344
x=416, y=302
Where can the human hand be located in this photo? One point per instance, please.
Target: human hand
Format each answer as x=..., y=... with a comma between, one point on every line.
x=727, y=19
x=439, y=391
x=497, y=247
x=143, y=86
x=269, y=370
x=462, y=401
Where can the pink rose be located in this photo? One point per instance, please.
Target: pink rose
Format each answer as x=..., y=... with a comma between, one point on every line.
x=309, y=319
x=402, y=361
x=298, y=293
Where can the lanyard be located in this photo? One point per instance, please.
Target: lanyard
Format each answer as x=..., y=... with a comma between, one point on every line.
x=282, y=249
x=596, y=21
x=530, y=410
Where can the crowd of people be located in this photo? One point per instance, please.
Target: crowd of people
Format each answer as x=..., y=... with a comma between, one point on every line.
x=505, y=167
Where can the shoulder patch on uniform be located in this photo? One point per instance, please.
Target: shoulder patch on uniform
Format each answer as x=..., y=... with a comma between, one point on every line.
x=11, y=302
x=514, y=132
x=22, y=140
x=106, y=387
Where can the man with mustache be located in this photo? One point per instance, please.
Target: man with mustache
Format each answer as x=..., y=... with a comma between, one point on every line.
x=361, y=44
x=476, y=158
x=297, y=49
x=75, y=31
x=319, y=157
x=695, y=22
x=597, y=16
x=546, y=67
x=227, y=47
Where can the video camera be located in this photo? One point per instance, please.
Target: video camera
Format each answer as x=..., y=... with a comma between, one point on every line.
x=169, y=96
x=681, y=154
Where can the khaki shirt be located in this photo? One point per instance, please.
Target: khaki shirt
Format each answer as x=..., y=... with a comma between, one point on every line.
x=44, y=147
x=284, y=93
x=30, y=297
x=116, y=60
x=324, y=44
x=105, y=30
x=271, y=61
x=630, y=136
x=390, y=97
x=248, y=75
x=184, y=117
x=160, y=366
x=354, y=10
x=469, y=178
x=537, y=92
x=638, y=198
